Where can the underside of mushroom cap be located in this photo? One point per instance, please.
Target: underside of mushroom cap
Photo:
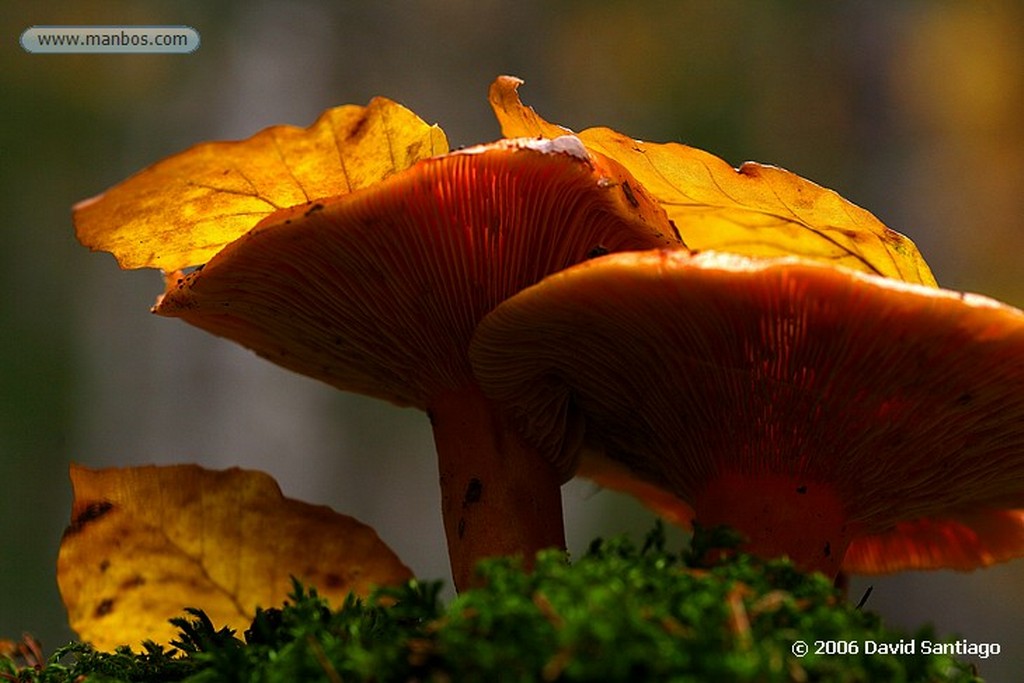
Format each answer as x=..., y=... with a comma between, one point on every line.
x=963, y=542
x=907, y=401
x=379, y=291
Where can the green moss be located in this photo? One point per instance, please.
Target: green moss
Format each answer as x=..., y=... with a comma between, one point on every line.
x=620, y=613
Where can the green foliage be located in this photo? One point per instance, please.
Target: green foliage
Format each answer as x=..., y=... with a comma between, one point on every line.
x=80, y=662
x=620, y=613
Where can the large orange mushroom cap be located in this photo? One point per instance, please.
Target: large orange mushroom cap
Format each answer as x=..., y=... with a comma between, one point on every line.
x=814, y=408
x=379, y=291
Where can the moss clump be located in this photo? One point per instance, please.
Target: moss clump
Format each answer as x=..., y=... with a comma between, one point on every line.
x=621, y=613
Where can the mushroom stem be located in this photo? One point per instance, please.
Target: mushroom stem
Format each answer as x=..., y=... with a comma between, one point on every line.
x=779, y=515
x=498, y=496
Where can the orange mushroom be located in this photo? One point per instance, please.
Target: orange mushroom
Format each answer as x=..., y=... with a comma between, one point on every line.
x=379, y=291
x=825, y=413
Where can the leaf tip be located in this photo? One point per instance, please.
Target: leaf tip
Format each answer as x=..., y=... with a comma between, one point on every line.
x=516, y=119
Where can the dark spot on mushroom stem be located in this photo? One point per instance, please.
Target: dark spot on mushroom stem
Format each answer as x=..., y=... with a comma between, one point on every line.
x=104, y=566
x=473, y=492
x=462, y=527
x=91, y=513
x=599, y=250
x=333, y=581
x=104, y=608
x=801, y=489
x=964, y=399
x=864, y=598
x=630, y=197
x=313, y=209
x=828, y=549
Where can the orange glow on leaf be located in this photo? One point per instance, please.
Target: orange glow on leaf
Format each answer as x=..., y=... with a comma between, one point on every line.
x=755, y=210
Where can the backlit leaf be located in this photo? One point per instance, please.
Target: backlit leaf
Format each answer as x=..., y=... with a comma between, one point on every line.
x=146, y=542
x=755, y=210
x=180, y=211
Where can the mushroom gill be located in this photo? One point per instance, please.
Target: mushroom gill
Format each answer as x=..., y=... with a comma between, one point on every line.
x=814, y=408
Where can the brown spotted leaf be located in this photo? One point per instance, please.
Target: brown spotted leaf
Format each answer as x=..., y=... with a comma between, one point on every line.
x=146, y=542
x=755, y=210
x=180, y=211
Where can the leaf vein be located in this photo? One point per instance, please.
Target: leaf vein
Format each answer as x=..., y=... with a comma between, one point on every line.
x=386, y=125
x=254, y=194
x=341, y=157
x=287, y=167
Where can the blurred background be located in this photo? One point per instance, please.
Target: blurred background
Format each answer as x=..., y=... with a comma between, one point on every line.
x=909, y=109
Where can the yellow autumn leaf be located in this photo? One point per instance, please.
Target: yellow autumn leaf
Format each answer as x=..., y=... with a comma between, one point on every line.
x=755, y=210
x=146, y=542
x=182, y=210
